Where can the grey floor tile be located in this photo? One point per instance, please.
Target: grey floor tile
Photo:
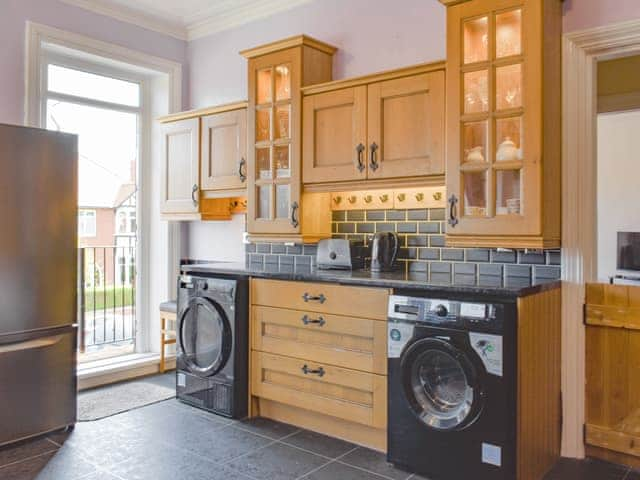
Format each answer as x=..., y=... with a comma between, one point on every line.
x=278, y=462
x=51, y=466
x=633, y=475
x=375, y=462
x=31, y=448
x=590, y=469
x=226, y=444
x=100, y=475
x=336, y=470
x=266, y=427
x=320, y=444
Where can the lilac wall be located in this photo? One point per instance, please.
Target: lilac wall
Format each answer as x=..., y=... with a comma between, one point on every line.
x=371, y=35
x=14, y=14
x=583, y=14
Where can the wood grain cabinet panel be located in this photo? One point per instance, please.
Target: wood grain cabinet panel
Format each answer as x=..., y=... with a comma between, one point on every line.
x=180, y=186
x=350, y=342
x=224, y=151
x=335, y=135
x=406, y=126
x=338, y=392
x=360, y=302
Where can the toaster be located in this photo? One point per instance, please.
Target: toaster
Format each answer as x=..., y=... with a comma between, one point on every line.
x=339, y=254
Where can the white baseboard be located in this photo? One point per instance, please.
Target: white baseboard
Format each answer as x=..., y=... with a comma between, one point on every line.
x=127, y=367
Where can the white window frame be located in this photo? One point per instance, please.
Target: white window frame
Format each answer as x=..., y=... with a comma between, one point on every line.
x=37, y=36
x=83, y=213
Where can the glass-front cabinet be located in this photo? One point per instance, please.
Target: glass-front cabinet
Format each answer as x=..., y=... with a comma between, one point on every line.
x=276, y=74
x=503, y=142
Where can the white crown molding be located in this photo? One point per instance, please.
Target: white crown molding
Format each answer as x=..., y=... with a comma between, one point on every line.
x=224, y=15
x=218, y=19
x=124, y=14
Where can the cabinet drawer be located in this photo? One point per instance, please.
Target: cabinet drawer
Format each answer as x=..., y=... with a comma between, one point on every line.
x=356, y=343
x=322, y=297
x=339, y=392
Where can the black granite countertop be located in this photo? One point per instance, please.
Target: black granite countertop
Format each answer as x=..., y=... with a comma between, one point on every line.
x=492, y=286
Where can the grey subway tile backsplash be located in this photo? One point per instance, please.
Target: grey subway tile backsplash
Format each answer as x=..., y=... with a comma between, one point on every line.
x=422, y=253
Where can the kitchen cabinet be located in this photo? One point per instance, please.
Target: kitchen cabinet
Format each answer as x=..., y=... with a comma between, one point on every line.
x=319, y=357
x=375, y=128
x=203, y=163
x=276, y=208
x=503, y=126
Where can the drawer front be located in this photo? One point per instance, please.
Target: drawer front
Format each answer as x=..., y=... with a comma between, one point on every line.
x=355, y=343
x=360, y=302
x=339, y=392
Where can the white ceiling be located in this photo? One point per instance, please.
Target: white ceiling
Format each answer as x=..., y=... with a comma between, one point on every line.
x=187, y=19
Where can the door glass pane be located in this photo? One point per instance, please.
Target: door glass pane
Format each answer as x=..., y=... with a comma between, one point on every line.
x=475, y=141
x=263, y=164
x=263, y=86
x=283, y=82
x=476, y=93
x=508, y=33
x=282, y=122
x=83, y=84
x=263, y=125
x=283, y=193
x=508, y=187
x=475, y=193
x=201, y=334
x=264, y=202
x=509, y=86
x=281, y=155
x=508, y=139
x=476, y=39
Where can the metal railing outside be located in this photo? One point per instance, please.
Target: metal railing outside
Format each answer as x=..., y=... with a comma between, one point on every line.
x=106, y=295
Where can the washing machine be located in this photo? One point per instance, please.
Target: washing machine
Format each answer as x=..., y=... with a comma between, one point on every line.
x=452, y=388
x=212, y=344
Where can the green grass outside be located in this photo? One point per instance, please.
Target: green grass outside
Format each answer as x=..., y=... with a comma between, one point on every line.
x=104, y=298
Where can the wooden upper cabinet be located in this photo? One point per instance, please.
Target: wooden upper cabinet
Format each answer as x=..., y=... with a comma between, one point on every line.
x=406, y=126
x=335, y=136
x=277, y=72
x=180, y=167
x=384, y=126
x=503, y=126
x=224, y=151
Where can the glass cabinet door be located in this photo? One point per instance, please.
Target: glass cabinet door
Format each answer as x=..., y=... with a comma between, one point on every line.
x=492, y=112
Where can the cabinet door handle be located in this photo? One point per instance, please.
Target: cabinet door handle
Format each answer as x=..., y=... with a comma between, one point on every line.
x=312, y=321
x=453, y=210
x=194, y=190
x=360, y=149
x=242, y=173
x=314, y=298
x=373, y=163
x=308, y=371
x=294, y=214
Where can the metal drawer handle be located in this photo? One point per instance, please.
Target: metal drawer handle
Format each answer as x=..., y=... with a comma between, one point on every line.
x=241, y=170
x=193, y=194
x=313, y=298
x=319, y=321
x=373, y=163
x=360, y=149
x=453, y=210
x=307, y=371
x=294, y=215
x=30, y=344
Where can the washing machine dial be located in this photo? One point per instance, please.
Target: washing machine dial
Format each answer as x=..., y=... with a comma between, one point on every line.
x=441, y=311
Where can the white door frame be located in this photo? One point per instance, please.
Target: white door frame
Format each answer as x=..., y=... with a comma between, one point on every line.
x=582, y=51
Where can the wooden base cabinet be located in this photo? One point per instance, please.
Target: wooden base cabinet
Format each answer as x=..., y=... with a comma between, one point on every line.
x=318, y=358
x=504, y=123
x=204, y=163
x=384, y=126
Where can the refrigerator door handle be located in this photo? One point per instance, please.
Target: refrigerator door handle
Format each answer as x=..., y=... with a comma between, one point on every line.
x=30, y=344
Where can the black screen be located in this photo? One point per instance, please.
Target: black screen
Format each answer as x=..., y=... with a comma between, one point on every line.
x=629, y=251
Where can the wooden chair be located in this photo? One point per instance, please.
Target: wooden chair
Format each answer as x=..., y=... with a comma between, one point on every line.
x=167, y=335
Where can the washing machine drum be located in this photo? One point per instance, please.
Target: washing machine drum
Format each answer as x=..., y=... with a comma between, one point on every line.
x=441, y=385
x=205, y=337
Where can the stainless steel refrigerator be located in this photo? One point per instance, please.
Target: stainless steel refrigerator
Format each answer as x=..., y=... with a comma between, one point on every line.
x=38, y=242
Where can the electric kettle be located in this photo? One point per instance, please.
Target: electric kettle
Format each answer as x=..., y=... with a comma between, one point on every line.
x=384, y=249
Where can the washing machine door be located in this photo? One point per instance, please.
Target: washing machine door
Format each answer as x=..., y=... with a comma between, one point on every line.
x=441, y=384
x=205, y=337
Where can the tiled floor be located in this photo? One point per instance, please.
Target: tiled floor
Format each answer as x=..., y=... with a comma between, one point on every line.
x=172, y=441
